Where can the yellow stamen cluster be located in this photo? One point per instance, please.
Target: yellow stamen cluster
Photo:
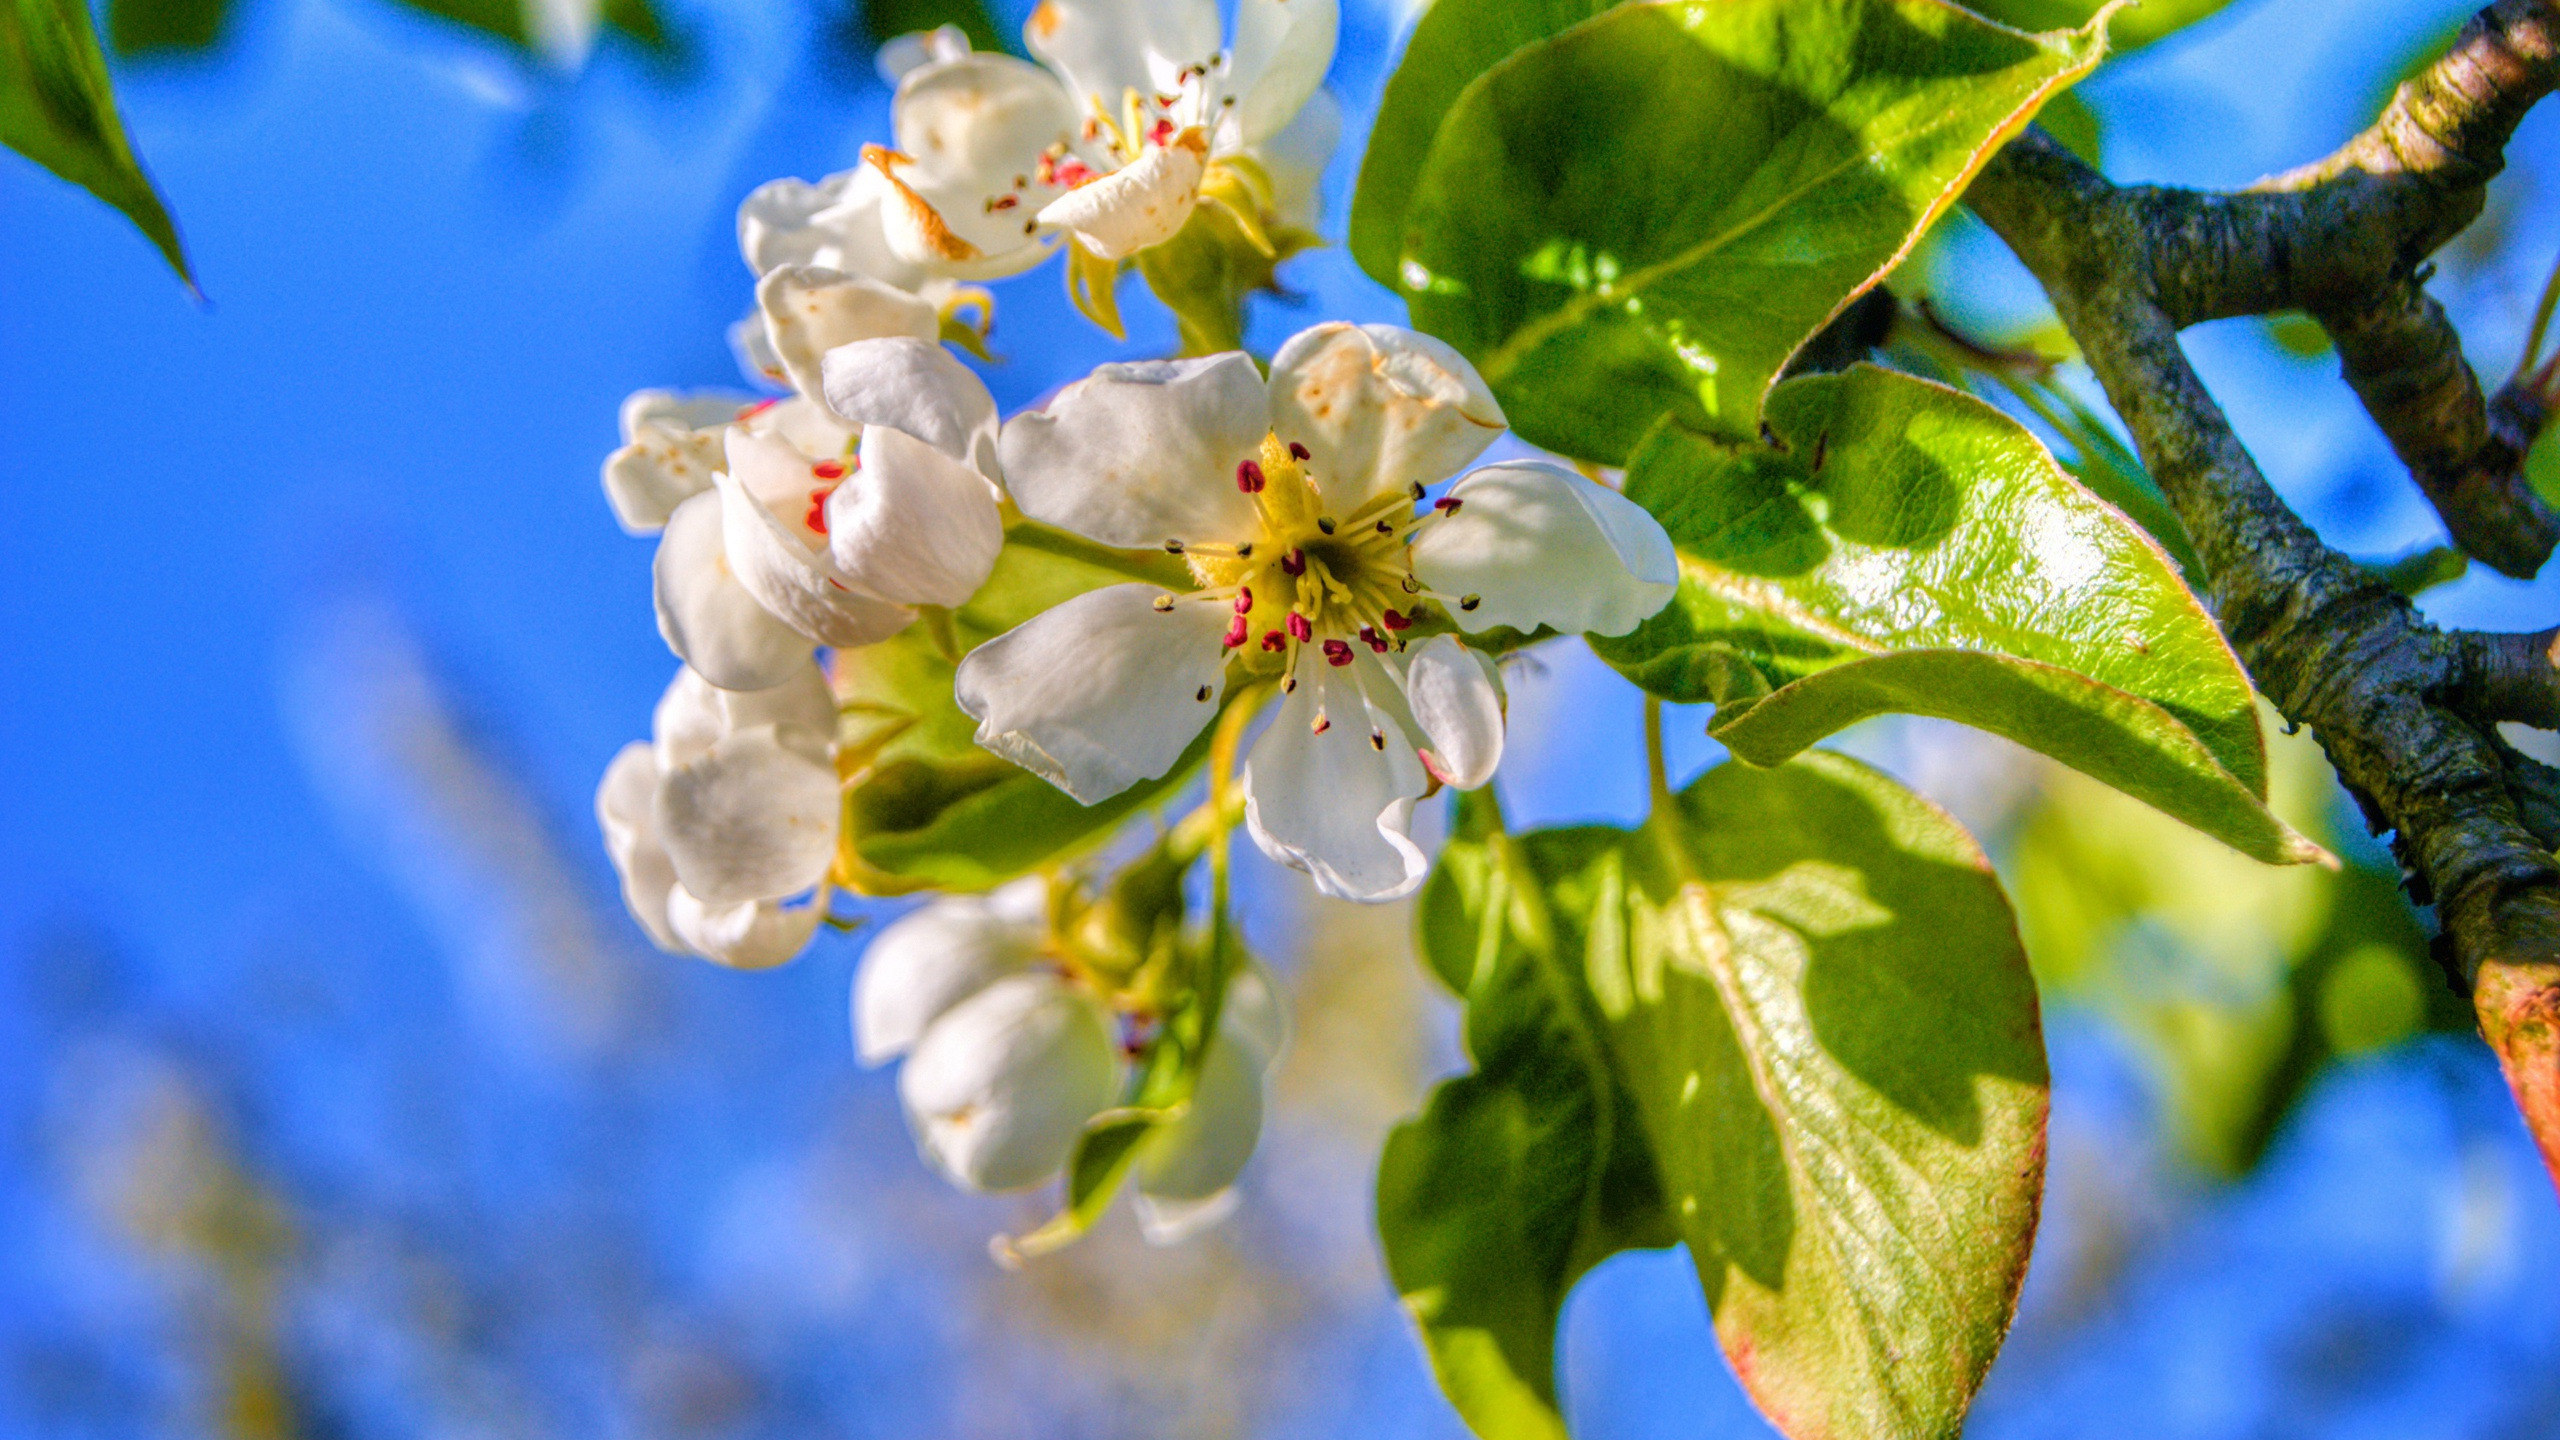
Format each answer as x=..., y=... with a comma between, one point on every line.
x=1340, y=582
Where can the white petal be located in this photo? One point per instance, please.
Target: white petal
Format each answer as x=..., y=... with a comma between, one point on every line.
x=1544, y=546
x=670, y=446
x=1380, y=408
x=753, y=818
x=782, y=567
x=915, y=386
x=1138, y=205
x=754, y=935
x=1337, y=803
x=626, y=803
x=915, y=525
x=1106, y=47
x=707, y=617
x=958, y=226
x=1283, y=48
x=903, y=53
x=929, y=960
x=803, y=424
x=1135, y=455
x=1001, y=1086
x=1296, y=158
x=1254, y=1009
x=1456, y=700
x=1202, y=1153
x=981, y=119
x=1170, y=1222
x=809, y=311
x=1098, y=693
x=775, y=222
x=694, y=714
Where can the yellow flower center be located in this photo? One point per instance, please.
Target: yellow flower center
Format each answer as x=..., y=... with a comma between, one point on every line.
x=1338, y=583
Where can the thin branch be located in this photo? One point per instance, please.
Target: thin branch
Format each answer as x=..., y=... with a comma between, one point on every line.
x=2510, y=677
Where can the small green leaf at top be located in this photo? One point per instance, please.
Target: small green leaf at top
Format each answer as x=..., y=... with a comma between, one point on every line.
x=886, y=20
x=2133, y=26
x=1903, y=547
x=164, y=27
x=1788, y=1023
x=1650, y=212
x=933, y=810
x=58, y=109
x=1454, y=42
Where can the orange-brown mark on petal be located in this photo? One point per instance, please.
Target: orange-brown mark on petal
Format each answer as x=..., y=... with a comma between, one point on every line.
x=927, y=226
x=1044, y=21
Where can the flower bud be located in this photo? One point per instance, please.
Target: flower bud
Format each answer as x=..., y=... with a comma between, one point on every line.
x=999, y=1088
x=930, y=960
x=1185, y=1173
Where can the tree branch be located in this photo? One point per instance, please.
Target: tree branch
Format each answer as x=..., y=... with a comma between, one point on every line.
x=2328, y=642
x=2346, y=239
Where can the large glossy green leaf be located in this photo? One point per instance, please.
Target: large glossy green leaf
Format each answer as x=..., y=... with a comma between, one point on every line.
x=1652, y=211
x=1904, y=547
x=1454, y=42
x=933, y=809
x=2133, y=25
x=1789, y=1023
x=58, y=109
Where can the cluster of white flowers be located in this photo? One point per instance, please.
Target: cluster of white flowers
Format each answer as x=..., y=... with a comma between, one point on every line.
x=1329, y=567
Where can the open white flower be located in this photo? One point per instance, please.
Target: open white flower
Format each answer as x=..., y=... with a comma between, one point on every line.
x=1141, y=113
x=1298, y=503
x=1008, y=1057
x=721, y=823
x=827, y=523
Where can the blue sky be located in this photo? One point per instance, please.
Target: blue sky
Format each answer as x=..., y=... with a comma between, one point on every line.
x=318, y=633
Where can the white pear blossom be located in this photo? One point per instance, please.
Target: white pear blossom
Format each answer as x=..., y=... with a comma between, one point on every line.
x=1141, y=112
x=1008, y=1055
x=1298, y=502
x=828, y=521
x=723, y=826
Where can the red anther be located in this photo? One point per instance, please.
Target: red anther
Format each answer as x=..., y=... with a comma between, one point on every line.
x=817, y=516
x=1337, y=653
x=1161, y=133
x=1447, y=504
x=828, y=469
x=1237, y=630
x=1003, y=202
x=1244, y=598
x=1396, y=620
x=1370, y=637
x=1070, y=172
x=757, y=408
x=1249, y=477
x=1295, y=562
x=1273, y=640
x=1167, y=100
x=1299, y=629
x=1300, y=452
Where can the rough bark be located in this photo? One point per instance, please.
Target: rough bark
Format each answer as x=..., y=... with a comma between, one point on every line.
x=2405, y=711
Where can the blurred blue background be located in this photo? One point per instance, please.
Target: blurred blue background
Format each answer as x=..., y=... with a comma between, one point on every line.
x=342, y=1100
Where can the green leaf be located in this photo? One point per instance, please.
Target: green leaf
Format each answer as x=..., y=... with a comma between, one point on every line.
x=886, y=20
x=1904, y=547
x=58, y=109
x=1651, y=212
x=2542, y=467
x=2133, y=25
x=1518, y=1178
x=1454, y=42
x=507, y=20
x=144, y=27
x=1788, y=1023
x=935, y=810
